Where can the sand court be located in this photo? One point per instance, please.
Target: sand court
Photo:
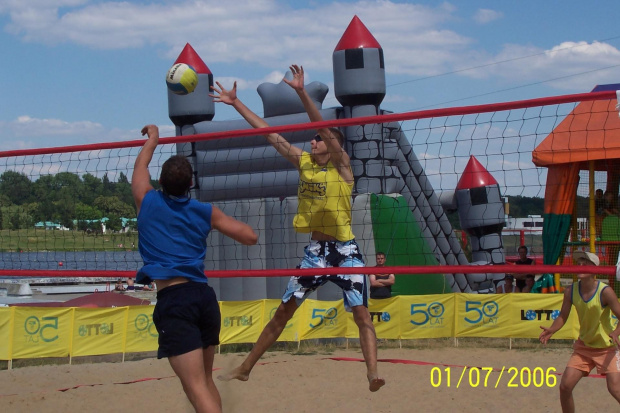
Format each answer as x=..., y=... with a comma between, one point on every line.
x=286, y=382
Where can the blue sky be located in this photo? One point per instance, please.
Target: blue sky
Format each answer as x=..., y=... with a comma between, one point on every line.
x=85, y=71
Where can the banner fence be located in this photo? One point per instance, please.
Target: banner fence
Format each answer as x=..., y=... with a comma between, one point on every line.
x=35, y=332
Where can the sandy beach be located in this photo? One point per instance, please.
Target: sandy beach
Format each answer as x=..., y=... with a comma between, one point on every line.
x=286, y=382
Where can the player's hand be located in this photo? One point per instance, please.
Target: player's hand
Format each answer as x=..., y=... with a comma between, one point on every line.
x=152, y=133
x=298, y=77
x=614, y=337
x=545, y=335
x=222, y=95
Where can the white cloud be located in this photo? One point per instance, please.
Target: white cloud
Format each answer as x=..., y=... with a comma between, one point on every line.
x=484, y=16
x=267, y=33
x=26, y=132
x=568, y=62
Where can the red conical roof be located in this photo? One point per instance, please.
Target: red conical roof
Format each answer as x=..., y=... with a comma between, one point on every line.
x=357, y=36
x=475, y=176
x=190, y=57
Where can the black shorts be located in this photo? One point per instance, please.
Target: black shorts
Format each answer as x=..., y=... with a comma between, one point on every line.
x=187, y=317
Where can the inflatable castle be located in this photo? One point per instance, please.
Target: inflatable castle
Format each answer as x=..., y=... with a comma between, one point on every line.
x=395, y=208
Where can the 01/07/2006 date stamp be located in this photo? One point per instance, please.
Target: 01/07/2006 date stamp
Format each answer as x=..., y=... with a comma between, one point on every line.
x=481, y=377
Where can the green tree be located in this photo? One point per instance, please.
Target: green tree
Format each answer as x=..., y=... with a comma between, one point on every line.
x=107, y=186
x=93, y=188
x=84, y=212
x=122, y=189
x=114, y=223
x=16, y=187
x=111, y=205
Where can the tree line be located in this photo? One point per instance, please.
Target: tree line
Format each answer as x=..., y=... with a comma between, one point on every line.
x=79, y=202
x=71, y=200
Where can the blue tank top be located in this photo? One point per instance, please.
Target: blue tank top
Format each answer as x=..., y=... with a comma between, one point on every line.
x=172, y=237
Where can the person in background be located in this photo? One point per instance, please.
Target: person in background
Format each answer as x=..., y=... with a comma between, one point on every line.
x=381, y=284
x=611, y=204
x=529, y=283
x=507, y=286
x=523, y=260
x=119, y=285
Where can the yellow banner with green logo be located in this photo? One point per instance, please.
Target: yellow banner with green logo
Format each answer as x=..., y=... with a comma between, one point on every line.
x=141, y=333
x=322, y=319
x=41, y=332
x=241, y=321
x=99, y=331
x=29, y=332
x=290, y=332
x=426, y=316
x=482, y=315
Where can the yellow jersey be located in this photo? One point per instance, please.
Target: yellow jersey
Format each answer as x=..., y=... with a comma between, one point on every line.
x=595, y=322
x=324, y=200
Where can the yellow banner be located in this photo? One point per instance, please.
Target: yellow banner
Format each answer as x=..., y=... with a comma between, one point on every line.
x=531, y=311
x=290, y=330
x=41, y=332
x=141, y=332
x=482, y=315
x=28, y=332
x=426, y=316
x=322, y=319
x=384, y=315
x=241, y=321
x=99, y=331
x=6, y=332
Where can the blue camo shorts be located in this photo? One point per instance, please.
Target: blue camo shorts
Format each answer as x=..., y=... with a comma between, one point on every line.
x=324, y=254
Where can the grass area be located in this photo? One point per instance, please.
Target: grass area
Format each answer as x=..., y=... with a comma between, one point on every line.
x=32, y=240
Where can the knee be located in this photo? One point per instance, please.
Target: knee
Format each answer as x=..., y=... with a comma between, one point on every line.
x=285, y=312
x=361, y=316
x=565, y=388
x=614, y=389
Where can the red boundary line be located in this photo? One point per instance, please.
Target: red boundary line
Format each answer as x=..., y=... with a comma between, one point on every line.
x=394, y=117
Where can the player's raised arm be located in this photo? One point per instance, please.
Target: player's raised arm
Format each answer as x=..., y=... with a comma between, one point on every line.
x=338, y=155
x=232, y=228
x=229, y=97
x=141, y=178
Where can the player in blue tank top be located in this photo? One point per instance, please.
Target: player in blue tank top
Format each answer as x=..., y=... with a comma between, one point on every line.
x=172, y=235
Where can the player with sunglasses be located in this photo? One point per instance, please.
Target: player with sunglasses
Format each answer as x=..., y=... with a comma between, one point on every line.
x=324, y=211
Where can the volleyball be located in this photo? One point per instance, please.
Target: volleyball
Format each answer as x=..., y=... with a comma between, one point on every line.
x=181, y=79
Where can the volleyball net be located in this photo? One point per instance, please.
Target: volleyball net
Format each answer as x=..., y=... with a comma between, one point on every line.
x=69, y=211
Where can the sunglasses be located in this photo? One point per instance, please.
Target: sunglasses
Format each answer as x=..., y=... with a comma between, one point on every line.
x=317, y=138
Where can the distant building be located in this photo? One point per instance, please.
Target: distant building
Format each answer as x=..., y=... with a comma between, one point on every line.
x=533, y=223
x=50, y=225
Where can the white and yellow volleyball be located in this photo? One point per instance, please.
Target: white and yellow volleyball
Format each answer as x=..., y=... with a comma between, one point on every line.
x=181, y=79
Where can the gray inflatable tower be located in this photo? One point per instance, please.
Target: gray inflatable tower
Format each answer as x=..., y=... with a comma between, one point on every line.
x=482, y=216
x=382, y=158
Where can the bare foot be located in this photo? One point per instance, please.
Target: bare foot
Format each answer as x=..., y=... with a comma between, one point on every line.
x=375, y=383
x=235, y=374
